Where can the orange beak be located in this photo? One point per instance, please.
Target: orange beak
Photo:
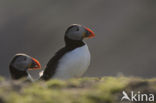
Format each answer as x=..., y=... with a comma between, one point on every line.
x=34, y=65
x=89, y=33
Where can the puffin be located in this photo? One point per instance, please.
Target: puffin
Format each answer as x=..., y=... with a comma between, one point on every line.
x=20, y=64
x=73, y=59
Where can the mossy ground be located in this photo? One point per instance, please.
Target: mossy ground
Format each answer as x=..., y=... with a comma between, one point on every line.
x=80, y=90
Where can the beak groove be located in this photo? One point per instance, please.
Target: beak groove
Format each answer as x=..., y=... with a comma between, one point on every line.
x=35, y=64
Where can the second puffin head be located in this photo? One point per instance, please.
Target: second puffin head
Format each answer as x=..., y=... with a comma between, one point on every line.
x=78, y=32
x=22, y=62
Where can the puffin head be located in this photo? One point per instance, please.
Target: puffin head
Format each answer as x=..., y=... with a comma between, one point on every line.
x=21, y=63
x=78, y=32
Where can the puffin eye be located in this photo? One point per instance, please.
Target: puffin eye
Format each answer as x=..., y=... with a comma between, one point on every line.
x=25, y=58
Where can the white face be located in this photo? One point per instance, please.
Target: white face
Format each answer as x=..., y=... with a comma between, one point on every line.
x=75, y=32
x=22, y=62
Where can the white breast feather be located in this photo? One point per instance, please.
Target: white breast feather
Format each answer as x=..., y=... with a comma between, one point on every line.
x=73, y=64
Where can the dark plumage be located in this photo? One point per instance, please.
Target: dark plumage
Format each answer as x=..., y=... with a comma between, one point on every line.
x=53, y=62
x=17, y=74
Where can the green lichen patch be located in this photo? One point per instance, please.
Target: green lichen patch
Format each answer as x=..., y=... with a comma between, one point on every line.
x=78, y=90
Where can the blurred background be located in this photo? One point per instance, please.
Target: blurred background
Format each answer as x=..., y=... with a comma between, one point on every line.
x=125, y=31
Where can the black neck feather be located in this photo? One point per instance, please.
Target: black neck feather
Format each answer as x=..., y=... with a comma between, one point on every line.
x=73, y=43
x=17, y=74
